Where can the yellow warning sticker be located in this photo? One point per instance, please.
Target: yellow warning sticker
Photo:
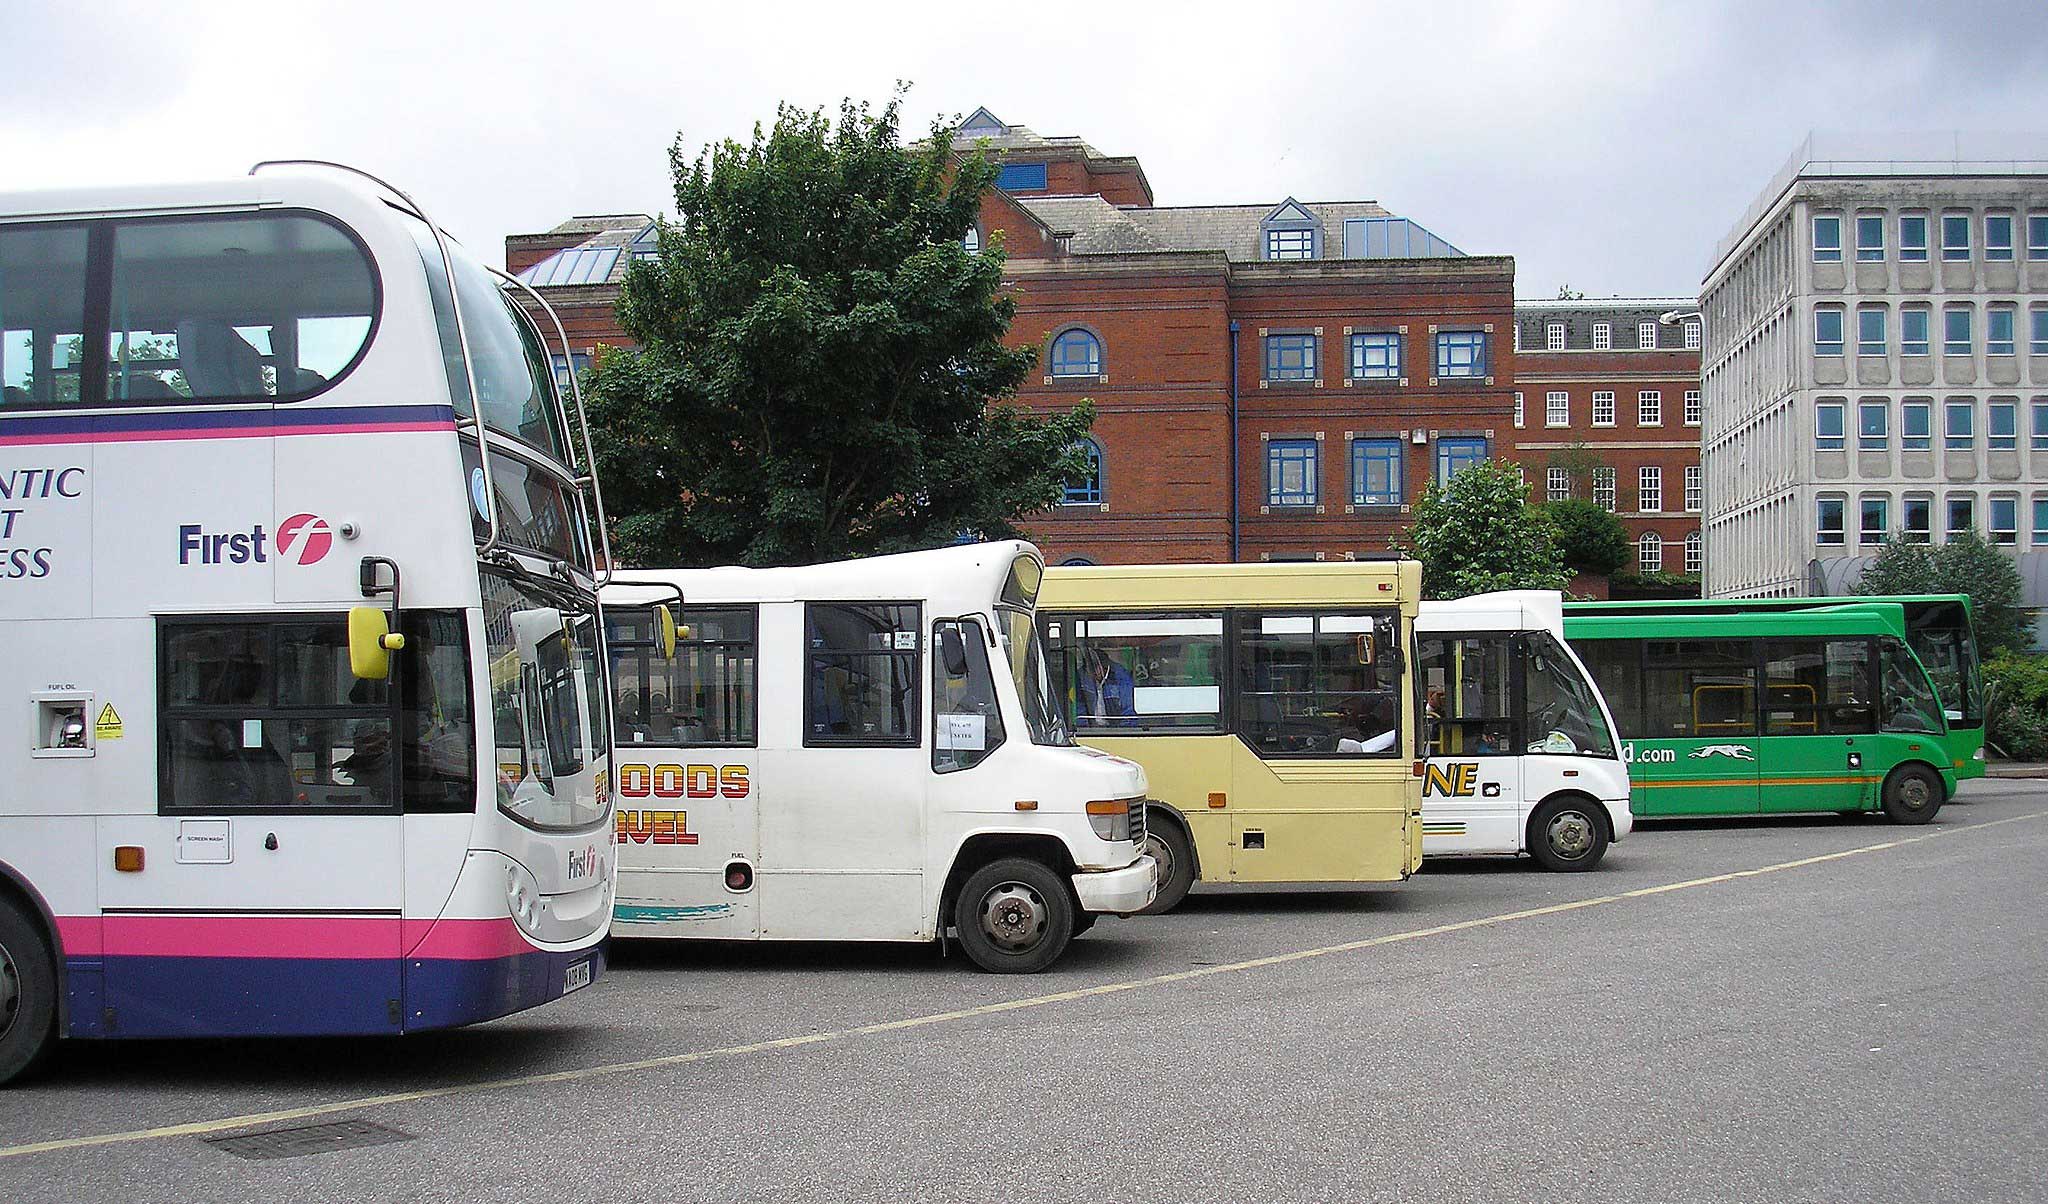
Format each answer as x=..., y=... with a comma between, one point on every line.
x=108, y=725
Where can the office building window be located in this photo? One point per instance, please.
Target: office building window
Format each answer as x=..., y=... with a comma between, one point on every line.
x=1603, y=407
x=1874, y=522
x=1376, y=472
x=1998, y=237
x=1290, y=357
x=1557, y=484
x=2005, y=520
x=2037, y=236
x=1955, y=236
x=1519, y=414
x=1557, y=409
x=1913, y=323
x=1694, y=560
x=1291, y=472
x=1998, y=330
x=1870, y=238
x=1650, y=408
x=1650, y=553
x=1075, y=352
x=1962, y=513
x=1917, y=518
x=1913, y=238
x=1827, y=522
x=1692, y=407
x=1603, y=488
x=2002, y=425
x=1692, y=489
x=1870, y=330
x=1873, y=426
x=1960, y=426
x=1650, y=490
x=1916, y=425
x=1455, y=455
x=1553, y=337
x=1827, y=238
x=1646, y=335
x=1830, y=426
x=1692, y=336
x=1955, y=330
x=2039, y=442
x=1461, y=353
x=1603, y=336
x=1827, y=330
x=2037, y=342
x=2040, y=538
x=1376, y=355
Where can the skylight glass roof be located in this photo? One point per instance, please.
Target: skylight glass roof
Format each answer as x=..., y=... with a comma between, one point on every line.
x=577, y=265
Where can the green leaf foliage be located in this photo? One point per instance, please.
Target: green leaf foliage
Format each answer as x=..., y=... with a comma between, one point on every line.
x=1479, y=533
x=1590, y=539
x=2016, y=690
x=820, y=370
x=1624, y=586
x=1966, y=564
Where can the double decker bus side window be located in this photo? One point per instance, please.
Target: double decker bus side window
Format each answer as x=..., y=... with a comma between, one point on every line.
x=42, y=315
x=704, y=698
x=1314, y=684
x=967, y=721
x=860, y=674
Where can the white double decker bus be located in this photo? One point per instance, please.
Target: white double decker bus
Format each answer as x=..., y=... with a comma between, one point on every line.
x=299, y=609
x=863, y=751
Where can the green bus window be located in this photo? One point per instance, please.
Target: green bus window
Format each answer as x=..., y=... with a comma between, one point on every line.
x=1469, y=686
x=1698, y=689
x=1909, y=702
x=1616, y=667
x=1818, y=687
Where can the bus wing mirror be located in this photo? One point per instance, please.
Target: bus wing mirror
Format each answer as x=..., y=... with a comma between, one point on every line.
x=953, y=651
x=371, y=643
x=665, y=620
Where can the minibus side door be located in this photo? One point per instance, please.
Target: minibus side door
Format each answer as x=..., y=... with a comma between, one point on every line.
x=1472, y=783
x=1820, y=720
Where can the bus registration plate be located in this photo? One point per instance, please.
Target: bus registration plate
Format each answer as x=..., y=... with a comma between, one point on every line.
x=576, y=977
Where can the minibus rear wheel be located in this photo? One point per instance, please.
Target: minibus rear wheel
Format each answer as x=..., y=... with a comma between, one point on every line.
x=28, y=994
x=1912, y=794
x=1014, y=916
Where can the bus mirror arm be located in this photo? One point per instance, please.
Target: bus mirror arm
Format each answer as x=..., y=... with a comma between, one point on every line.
x=371, y=640
x=667, y=630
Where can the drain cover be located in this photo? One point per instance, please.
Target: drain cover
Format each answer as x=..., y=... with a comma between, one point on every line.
x=298, y=1142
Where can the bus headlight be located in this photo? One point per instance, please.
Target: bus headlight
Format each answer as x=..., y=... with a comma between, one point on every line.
x=522, y=898
x=1111, y=818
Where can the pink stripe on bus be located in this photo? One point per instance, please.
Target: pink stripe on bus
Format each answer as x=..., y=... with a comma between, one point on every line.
x=287, y=936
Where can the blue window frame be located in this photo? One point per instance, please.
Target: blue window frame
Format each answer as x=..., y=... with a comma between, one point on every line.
x=1086, y=490
x=1461, y=353
x=1376, y=472
x=1376, y=355
x=1456, y=454
x=1076, y=352
x=575, y=362
x=1021, y=177
x=1291, y=466
x=1290, y=357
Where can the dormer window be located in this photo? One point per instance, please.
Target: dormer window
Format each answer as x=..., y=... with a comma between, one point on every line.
x=1290, y=244
x=1290, y=232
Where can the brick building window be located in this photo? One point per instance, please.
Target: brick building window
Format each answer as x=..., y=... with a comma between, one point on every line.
x=1650, y=408
x=1828, y=520
x=1913, y=323
x=1087, y=489
x=1557, y=409
x=1603, y=407
x=1455, y=455
x=1692, y=489
x=1290, y=244
x=1913, y=238
x=1646, y=335
x=1553, y=337
x=1376, y=472
x=1650, y=553
x=566, y=366
x=1998, y=237
x=1461, y=353
x=1916, y=426
x=1692, y=407
x=1873, y=426
x=1376, y=355
x=1603, y=489
x=972, y=240
x=1827, y=238
x=1290, y=357
x=1021, y=177
x=1557, y=484
x=1650, y=490
x=1076, y=352
x=1603, y=336
x=1519, y=415
x=1692, y=336
x=1694, y=559
x=1873, y=518
x=1291, y=466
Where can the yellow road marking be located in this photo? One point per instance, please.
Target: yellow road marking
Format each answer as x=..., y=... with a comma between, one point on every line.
x=605, y=1070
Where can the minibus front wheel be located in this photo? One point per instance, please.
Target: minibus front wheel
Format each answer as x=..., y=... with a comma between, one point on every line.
x=1567, y=833
x=1912, y=794
x=1014, y=916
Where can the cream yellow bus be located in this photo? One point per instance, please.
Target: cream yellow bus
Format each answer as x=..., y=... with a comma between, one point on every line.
x=1277, y=727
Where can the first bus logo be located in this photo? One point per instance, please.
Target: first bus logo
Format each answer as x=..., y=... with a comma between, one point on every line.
x=300, y=539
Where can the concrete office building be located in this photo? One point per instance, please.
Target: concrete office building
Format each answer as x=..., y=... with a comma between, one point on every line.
x=1876, y=362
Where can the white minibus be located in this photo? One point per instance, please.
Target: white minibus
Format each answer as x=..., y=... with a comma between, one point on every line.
x=862, y=751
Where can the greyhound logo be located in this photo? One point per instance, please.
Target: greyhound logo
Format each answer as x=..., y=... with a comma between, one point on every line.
x=1739, y=752
x=305, y=538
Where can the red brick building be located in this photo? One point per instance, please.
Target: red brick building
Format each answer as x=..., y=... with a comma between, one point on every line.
x=1607, y=408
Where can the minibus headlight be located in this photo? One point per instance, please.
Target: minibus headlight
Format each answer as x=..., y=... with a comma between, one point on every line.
x=1111, y=818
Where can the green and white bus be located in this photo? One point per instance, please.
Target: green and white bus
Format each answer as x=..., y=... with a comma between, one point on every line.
x=1743, y=714
x=1941, y=629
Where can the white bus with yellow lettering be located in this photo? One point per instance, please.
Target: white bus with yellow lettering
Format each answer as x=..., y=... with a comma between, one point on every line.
x=861, y=751
x=1522, y=754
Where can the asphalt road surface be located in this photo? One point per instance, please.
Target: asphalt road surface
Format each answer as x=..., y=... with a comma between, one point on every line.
x=1805, y=1009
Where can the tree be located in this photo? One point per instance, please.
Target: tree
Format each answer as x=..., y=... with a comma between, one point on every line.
x=1565, y=292
x=820, y=370
x=1479, y=533
x=1966, y=564
x=1578, y=459
x=1590, y=538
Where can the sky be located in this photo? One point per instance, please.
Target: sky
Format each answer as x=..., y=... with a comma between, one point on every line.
x=1606, y=146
